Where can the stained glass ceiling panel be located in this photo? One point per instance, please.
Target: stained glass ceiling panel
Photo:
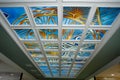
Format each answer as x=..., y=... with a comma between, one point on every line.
x=105, y=15
x=60, y=45
x=48, y=33
x=15, y=15
x=45, y=15
x=25, y=34
x=72, y=34
x=75, y=15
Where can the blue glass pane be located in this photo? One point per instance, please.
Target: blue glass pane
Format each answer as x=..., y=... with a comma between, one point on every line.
x=43, y=68
x=78, y=65
x=54, y=60
x=51, y=53
x=15, y=15
x=37, y=59
x=95, y=34
x=80, y=60
x=89, y=46
x=32, y=45
x=68, y=54
x=45, y=15
x=69, y=46
x=48, y=33
x=54, y=64
x=49, y=45
x=36, y=54
x=65, y=65
x=67, y=60
x=71, y=34
x=75, y=15
x=105, y=15
x=42, y=63
x=84, y=54
x=25, y=34
x=72, y=75
x=75, y=70
x=64, y=72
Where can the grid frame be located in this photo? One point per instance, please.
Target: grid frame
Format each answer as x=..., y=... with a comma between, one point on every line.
x=35, y=27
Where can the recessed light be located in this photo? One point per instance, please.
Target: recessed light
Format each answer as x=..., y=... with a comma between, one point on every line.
x=105, y=78
x=112, y=74
x=11, y=74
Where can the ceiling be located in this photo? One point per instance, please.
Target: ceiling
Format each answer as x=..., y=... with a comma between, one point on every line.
x=112, y=72
x=56, y=39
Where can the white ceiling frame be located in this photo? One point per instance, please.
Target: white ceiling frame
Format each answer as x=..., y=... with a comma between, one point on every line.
x=60, y=18
x=89, y=19
x=90, y=1
x=37, y=35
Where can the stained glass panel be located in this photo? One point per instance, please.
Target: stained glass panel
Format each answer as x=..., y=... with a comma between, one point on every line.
x=93, y=34
x=75, y=15
x=78, y=65
x=72, y=34
x=69, y=46
x=45, y=15
x=15, y=15
x=52, y=53
x=32, y=45
x=90, y=46
x=42, y=63
x=67, y=60
x=50, y=45
x=54, y=64
x=36, y=54
x=53, y=60
x=67, y=54
x=25, y=34
x=48, y=33
x=105, y=15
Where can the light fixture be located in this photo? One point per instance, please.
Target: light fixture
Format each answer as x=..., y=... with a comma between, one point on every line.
x=112, y=74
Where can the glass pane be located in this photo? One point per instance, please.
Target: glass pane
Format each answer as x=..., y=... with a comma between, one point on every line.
x=80, y=60
x=36, y=54
x=72, y=75
x=69, y=46
x=64, y=71
x=93, y=34
x=75, y=15
x=67, y=54
x=54, y=64
x=78, y=65
x=52, y=53
x=72, y=34
x=90, y=46
x=50, y=45
x=48, y=33
x=75, y=70
x=65, y=65
x=53, y=60
x=25, y=34
x=105, y=15
x=15, y=15
x=45, y=15
x=67, y=60
x=32, y=45
x=39, y=59
x=42, y=63
x=83, y=54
